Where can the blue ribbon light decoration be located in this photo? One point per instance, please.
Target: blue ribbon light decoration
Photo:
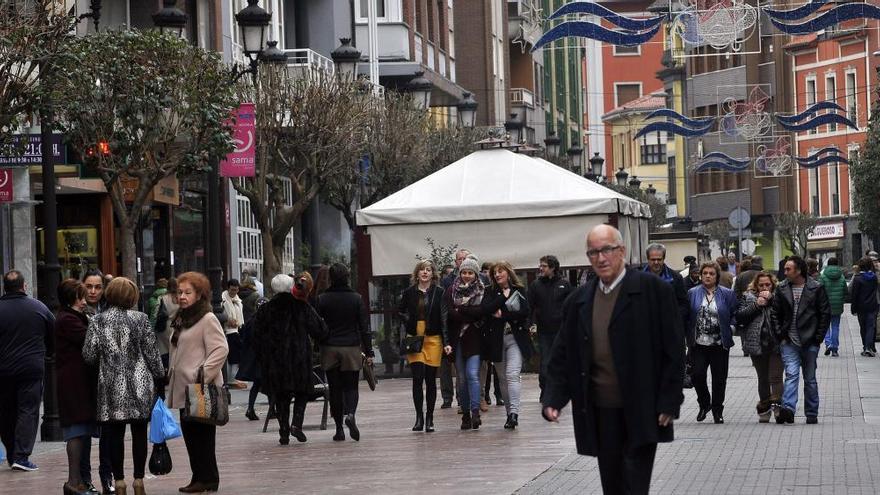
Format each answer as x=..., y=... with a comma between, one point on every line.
x=583, y=29
x=828, y=118
x=822, y=161
x=798, y=13
x=814, y=156
x=609, y=15
x=727, y=158
x=841, y=13
x=809, y=112
x=697, y=123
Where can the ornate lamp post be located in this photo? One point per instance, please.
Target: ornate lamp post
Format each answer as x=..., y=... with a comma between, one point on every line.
x=621, y=176
x=346, y=58
x=420, y=88
x=596, y=163
x=551, y=144
x=467, y=110
x=170, y=19
x=651, y=191
x=575, y=157
x=635, y=182
x=514, y=128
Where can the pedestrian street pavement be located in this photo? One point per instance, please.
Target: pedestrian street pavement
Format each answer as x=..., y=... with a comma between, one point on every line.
x=840, y=455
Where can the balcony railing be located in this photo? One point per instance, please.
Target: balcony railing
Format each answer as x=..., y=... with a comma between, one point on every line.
x=522, y=97
x=306, y=62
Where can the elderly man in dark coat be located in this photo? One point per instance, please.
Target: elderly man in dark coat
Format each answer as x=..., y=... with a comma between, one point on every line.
x=282, y=328
x=619, y=359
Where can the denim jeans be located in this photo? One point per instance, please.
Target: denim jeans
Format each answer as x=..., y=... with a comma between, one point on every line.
x=832, y=338
x=468, y=381
x=868, y=329
x=508, y=374
x=797, y=359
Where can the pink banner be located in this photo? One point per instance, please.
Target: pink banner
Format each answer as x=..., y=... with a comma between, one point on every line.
x=5, y=185
x=241, y=162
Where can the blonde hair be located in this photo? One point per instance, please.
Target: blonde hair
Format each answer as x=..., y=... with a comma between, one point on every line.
x=753, y=285
x=121, y=292
x=513, y=280
x=435, y=275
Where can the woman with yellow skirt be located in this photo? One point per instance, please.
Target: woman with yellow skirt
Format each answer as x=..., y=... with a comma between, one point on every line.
x=423, y=311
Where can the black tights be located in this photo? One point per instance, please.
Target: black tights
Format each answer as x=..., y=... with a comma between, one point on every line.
x=282, y=409
x=138, y=448
x=343, y=393
x=74, y=460
x=252, y=396
x=422, y=372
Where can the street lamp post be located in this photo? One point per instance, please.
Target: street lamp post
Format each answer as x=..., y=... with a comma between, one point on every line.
x=514, y=129
x=170, y=19
x=635, y=182
x=551, y=144
x=420, y=88
x=651, y=191
x=621, y=176
x=596, y=163
x=467, y=110
x=575, y=156
x=346, y=58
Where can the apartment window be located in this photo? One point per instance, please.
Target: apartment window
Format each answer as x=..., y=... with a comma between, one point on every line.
x=671, y=182
x=626, y=92
x=834, y=188
x=831, y=95
x=627, y=50
x=419, y=26
x=811, y=97
x=653, y=154
x=813, y=179
x=380, y=8
x=852, y=109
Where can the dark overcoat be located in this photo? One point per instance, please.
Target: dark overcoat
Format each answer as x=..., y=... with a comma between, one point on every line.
x=647, y=344
x=77, y=380
x=281, y=339
x=493, y=300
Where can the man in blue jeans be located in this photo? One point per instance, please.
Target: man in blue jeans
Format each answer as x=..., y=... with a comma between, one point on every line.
x=803, y=313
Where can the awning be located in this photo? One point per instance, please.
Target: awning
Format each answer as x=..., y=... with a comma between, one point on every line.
x=826, y=245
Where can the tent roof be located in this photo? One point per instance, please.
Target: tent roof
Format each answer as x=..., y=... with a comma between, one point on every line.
x=498, y=184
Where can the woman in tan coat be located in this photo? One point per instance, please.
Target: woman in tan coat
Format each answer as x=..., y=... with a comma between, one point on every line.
x=197, y=341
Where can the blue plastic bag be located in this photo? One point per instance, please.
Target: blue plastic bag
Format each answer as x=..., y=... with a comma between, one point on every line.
x=2, y=453
x=163, y=426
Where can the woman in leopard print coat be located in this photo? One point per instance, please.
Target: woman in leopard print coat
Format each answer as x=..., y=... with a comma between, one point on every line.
x=121, y=342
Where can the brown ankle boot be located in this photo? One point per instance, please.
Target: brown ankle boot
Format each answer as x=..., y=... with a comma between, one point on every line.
x=121, y=489
x=138, y=487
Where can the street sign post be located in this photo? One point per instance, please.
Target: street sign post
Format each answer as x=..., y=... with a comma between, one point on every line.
x=739, y=219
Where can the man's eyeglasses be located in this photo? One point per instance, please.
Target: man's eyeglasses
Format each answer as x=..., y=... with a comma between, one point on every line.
x=604, y=251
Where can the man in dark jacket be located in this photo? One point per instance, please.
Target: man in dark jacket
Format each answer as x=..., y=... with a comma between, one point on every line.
x=863, y=294
x=803, y=312
x=546, y=295
x=26, y=337
x=618, y=358
x=656, y=254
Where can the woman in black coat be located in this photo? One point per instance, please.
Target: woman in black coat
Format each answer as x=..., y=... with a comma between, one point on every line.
x=863, y=295
x=76, y=382
x=506, y=308
x=423, y=311
x=282, y=328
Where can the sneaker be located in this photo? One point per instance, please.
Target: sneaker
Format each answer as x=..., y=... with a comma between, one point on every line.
x=834, y=353
x=24, y=466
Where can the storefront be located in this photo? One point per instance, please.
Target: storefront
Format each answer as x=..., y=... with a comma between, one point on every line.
x=826, y=241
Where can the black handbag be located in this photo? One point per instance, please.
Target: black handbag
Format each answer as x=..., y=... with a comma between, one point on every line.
x=412, y=344
x=160, y=459
x=161, y=318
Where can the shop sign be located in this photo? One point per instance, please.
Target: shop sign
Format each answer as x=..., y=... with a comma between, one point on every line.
x=242, y=161
x=32, y=150
x=827, y=231
x=5, y=185
x=166, y=191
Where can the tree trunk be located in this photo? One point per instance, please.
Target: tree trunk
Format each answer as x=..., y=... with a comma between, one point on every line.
x=271, y=261
x=127, y=251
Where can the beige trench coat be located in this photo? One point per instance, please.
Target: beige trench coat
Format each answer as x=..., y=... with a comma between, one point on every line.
x=203, y=344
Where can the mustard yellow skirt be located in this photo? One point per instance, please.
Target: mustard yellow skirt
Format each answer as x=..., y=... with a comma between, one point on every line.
x=432, y=348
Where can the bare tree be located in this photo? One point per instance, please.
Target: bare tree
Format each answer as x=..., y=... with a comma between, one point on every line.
x=31, y=34
x=309, y=131
x=718, y=231
x=141, y=106
x=794, y=229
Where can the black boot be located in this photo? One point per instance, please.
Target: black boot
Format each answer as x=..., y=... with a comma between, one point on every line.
x=296, y=427
x=429, y=423
x=701, y=415
x=512, y=421
x=466, y=420
x=420, y=422
x=340, y=433
x=475, y=419
x=251, y=415
x=284, y=434
x=353, y=430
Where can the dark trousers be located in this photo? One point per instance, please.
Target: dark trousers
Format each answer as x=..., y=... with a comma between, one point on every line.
x=201, y=440
x=447, y=388
x=343, y=393
x=768, y=367
x=868, y=329
x=717, y=359
x=19, y=416
x=116, y=433
x=282, y=408
x=545, y=343
x=422, y=373
x=105, y=466
x=623, y=470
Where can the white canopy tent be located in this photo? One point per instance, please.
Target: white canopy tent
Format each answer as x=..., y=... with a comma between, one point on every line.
x=500, y=205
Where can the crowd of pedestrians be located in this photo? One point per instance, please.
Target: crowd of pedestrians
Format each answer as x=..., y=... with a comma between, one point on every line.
x=622, y=347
